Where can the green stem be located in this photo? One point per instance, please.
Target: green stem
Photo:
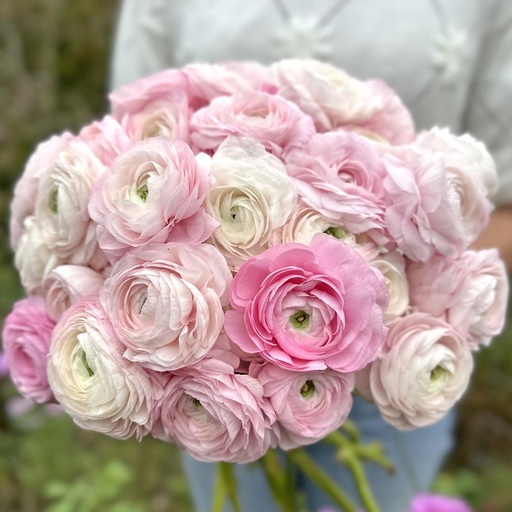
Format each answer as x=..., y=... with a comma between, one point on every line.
x=225, y=487
x=281, y=484
x=306, y=464
x=219, y=491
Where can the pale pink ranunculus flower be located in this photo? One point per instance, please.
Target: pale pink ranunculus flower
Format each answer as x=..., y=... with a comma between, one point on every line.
x=165, y=302
x=153, y=193
x=435, y=209
x=62, y=206
x=216, y=414
x=99, y=388
x=270, y=119
x=308, y=405
x=463, y=154
x=23, y=205
x=307, y=308
x=32, y=258
x=106, y=138
x=26, y=341
x=251, y=197
x=66, y=284
x=392, y=266
x=470, y=293
x=422, y=370
x=328, y=94
x=339, y=174
x=392, y=121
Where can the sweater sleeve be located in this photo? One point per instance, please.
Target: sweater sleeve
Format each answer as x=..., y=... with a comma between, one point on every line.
x=143, y=40
x=489, y=113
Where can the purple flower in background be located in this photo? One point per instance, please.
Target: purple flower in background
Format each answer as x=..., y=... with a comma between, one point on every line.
x=437, y=503
x=4, y=368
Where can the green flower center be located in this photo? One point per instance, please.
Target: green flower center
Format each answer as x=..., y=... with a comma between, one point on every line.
x=86, y=365
x=300, y=320
x=336, y=232
x=53, y=202
x=142, y=192
x=437, y=373
x=308, y=389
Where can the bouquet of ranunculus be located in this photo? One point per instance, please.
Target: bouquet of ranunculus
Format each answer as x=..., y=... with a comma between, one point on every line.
x=235, y=249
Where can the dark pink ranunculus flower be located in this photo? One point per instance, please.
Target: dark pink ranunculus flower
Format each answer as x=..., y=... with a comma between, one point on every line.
x=340, y=175
x=436, y=503
x=26, y=340
x=310, y=307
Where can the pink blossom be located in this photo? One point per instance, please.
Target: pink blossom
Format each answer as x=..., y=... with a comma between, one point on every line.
x=309, y=308
x=275, y=122
x=437, y=503
x=308, y=405
x=165, y=303
x=215, y=414
x=26, y=340
x=470, y=293
x=153, y=193
x=432, y=210
x=340, y=175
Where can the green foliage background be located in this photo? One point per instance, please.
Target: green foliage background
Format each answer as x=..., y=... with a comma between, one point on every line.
x=54, y=58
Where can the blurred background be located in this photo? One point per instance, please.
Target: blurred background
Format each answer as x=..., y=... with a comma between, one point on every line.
x=54, y=57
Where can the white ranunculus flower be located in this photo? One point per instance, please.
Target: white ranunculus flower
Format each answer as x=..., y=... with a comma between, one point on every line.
x=32, y=258
x=252, y=196
x=62, y=206
x=94, y=384
x=422, y=371
x=392, y=267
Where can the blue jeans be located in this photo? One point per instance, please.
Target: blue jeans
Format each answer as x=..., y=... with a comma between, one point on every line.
x=417, y=456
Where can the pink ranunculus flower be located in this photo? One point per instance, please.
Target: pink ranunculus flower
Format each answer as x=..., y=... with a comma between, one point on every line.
x=392, y=120
x=66, y=284
x=251, y=197
x=153, y=193
x=26, y=188
x=436, y=503
x=270, y=119
x=216, y=414
x=470, y=293
x=165, y=302
x=340, y=175
x=308, y=405
x=329, y=95
x=26, y=341
x=434, y=209
x=94, y=383
x=62, y=206
x=307, y=308
x=107, y=139
x=423, y=369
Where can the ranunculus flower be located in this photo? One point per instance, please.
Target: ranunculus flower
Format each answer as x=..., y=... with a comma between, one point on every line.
x=62, y=206
x=436, y=503
x=435, y=208
x=26, y=341
x=165, y=302
x=153, y=193
x=392, y=266
x=339, y=174
x=26, y=188
x=329, y=95
x=215, y=414
x=66, y=284
x=308, y=405
x=33, y=259
x=270, y=119
x=422, y=371
x=93, y=382
x=308, y=308
x=470, y=293
x=251, y=197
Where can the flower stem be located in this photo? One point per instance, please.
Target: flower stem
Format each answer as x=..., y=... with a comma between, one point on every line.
x=281, y=482
x=225, y=487
x=306, y=464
